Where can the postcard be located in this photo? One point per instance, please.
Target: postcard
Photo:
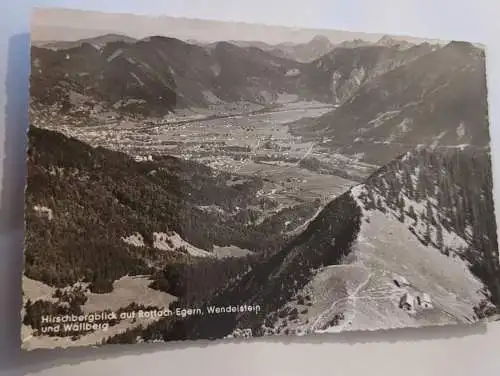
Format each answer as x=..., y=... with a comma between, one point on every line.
x=193, y=179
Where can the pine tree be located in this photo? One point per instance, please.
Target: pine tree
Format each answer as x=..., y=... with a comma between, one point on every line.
x=371, y=200
x=439, y=237
x=412, y=214
x=408, y=183
x=380, y=205
x=421, y=191
x=429, y=213
x=401, y=208
x=427, y=236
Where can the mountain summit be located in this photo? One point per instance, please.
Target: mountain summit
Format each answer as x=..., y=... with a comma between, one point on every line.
x=389, y=41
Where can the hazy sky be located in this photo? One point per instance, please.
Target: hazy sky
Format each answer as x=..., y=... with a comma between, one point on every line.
x=56, y=24
x=463, y=19
x=445, y=19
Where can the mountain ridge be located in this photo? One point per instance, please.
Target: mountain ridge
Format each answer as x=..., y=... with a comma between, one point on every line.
x=156, y=75
x=438, y=98
x=163, y=196
x=461, y=275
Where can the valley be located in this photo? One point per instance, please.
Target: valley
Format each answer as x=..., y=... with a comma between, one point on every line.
x=255, y=144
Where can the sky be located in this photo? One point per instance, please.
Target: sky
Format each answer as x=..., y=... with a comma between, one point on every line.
x=56, y=24
x=446, y=19
x=428, y=18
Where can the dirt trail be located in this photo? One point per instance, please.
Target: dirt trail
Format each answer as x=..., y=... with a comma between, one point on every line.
x=351, y=298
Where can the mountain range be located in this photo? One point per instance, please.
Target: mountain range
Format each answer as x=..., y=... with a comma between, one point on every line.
x=422, y=95
x=389, y=98
x=301, y=52
x=99, y=42
x=422, y=224
x=305, y=52
x=157, y=75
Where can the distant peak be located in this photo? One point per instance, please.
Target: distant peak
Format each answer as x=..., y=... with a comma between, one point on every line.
x=320, y=38
x=225, y=44
x=161, y=39
x=460, y=44
x=354, y=43
x=115, y=35
x=387, y=40
x=396, y=42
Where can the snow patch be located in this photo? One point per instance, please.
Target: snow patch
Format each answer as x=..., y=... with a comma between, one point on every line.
x=230, y=251
x=173, y=242
x=404, y=126
x=266, y=95
x=293, y=72
x=44, y=212
x=216, y=69
x=461, y=130
x=400, y=130
x=381, y=118
x=114, y=55
x=135, y=240
x=438, y=138
x=211, y=97
x=137, y=79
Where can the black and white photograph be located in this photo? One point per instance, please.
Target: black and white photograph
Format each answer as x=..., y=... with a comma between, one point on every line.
x=198, y=179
